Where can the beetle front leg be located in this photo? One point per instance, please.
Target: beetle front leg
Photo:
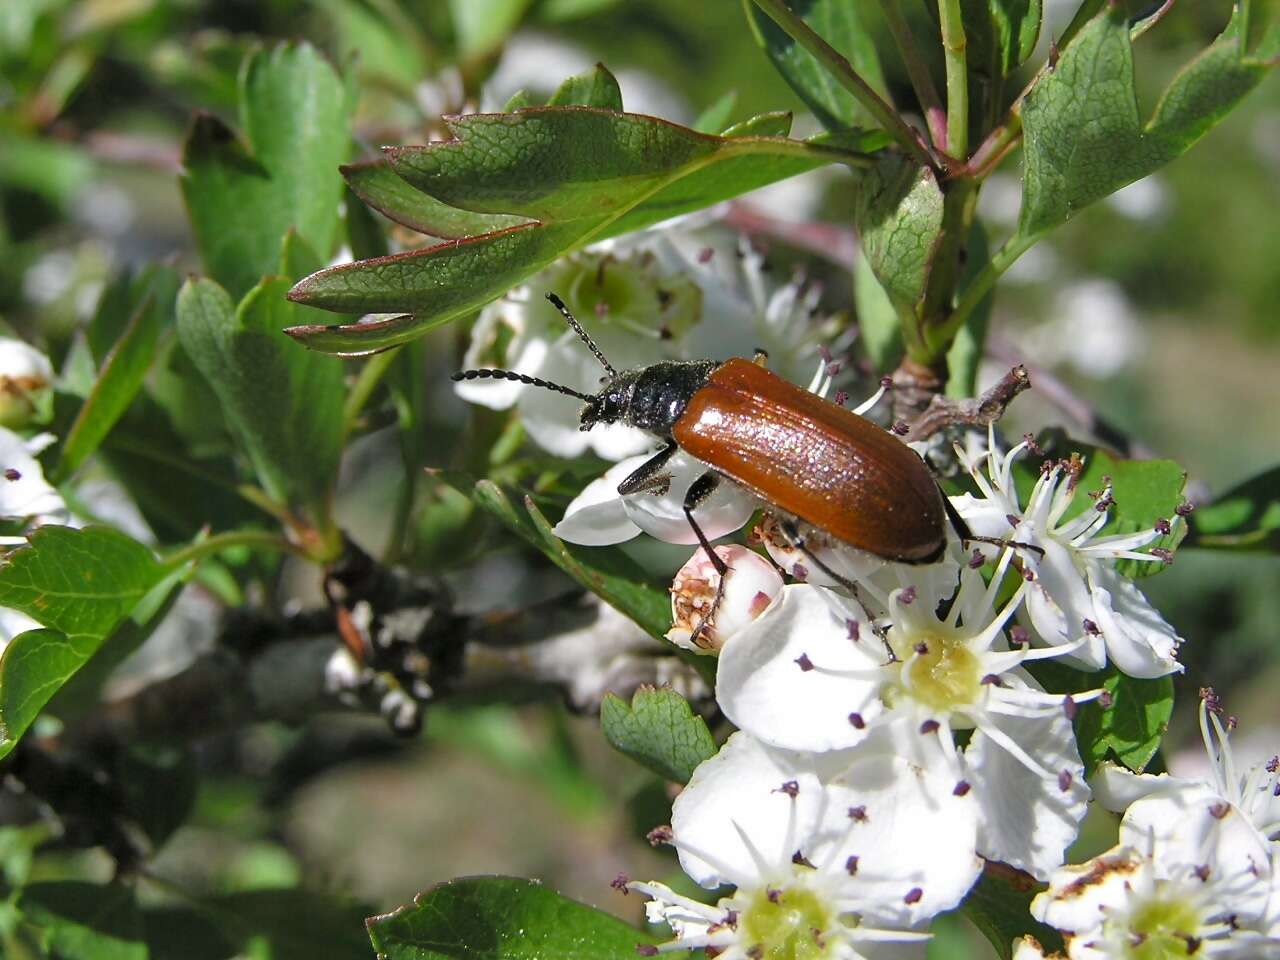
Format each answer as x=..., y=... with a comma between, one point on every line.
x=650, y=475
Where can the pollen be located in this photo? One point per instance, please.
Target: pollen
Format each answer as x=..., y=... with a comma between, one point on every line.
x=784, y=925
x=937, y=670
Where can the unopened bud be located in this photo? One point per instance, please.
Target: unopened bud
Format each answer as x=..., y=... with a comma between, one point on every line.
x=700, y=623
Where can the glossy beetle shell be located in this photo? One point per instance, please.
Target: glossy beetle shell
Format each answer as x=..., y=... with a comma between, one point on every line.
x=831, y=468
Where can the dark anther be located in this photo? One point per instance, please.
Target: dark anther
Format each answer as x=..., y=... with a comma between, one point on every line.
x=851, y=866
x=914, y=895
x=1212, y=702
x=659, y=836
x=908, y=595
x=1105, y=699
x=804, y=663
x=929, y=726
x=1162, y=554
x=977, y=560
x=1030, y=440
x=961, y=789
x=774, y=895
x=791, y=788
x=858, y=814
x=11, y=474
x=901, y=428
x=800, y=860
x=1012, y=519
x=1019, y=635
x=841, y=398
x=1064, y=780
x=646, y=950
x=1185, y=508
x=1091, y=628
x=857, y=721
x=1220, y=810
x=922, y=648
x=1162, y=527
x=1069, y=707
x=705, y=254
x=853, y=628
x=620, y=882
x=992, y=680
x=1202, y=873
x=800, y=571
x=1273, y=764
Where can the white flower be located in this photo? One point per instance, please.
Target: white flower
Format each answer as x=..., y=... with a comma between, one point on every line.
x=815, y=672
x=826, y=860
x=701, y=624
x=1076, y=594
x=1253, y=794
x=24, y=492
x=600, y=515
x=1190, y=877
x=26, y=383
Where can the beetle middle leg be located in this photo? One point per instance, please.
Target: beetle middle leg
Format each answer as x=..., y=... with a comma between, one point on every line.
x=698, y=491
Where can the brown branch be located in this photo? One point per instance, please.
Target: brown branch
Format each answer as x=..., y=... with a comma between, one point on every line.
x=944, y=412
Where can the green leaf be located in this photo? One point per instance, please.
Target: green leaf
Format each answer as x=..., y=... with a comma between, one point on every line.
x=78, y=583
x=596, y=87
x=244, y=195
x=716, y=116
x=122, y=373
x=84, y=921
x=1130, y=730
x=482, y=25
x=1261, y=31
x=582, y=173
x=878, y=322
x=999, y=905
x=658, y=730
x=283, y=405
x=605, y=571
x=379, y=186
x=899, y=220
x=500, y=918
x=120, y=301
x=841, y=24
x=776, y=124
x=1001, y=33
x=1246, y=517
x=1083, y=136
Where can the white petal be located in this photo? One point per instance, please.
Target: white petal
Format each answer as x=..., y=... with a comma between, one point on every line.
x=734, y=823
x=727, y=509
x=1139, y=641
x=917, y=841
x=1078, y=892
x=1059, y=602
x=1028, y=821
x=29, y=495
x=596, y=516
x=985, y=518
x=763, y=689
x=1116, y=788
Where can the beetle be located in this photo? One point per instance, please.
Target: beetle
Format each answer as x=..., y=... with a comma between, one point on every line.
x=809, y=458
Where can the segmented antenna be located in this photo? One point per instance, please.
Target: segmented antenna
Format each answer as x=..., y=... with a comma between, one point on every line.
x=521, y=377
x=577, y=328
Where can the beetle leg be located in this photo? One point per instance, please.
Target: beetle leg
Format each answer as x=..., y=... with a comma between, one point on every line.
x=649, y=476
x=967, y=536
x=699, y=490
x=796, y=539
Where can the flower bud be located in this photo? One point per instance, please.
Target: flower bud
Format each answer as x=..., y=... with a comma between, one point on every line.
x=750, y=587
x=26, y=378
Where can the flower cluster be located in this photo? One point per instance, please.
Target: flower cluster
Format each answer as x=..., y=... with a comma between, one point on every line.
x=890, y=738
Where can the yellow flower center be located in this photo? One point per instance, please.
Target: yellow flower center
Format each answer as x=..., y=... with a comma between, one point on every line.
x=1166, y=928
x=938, y=670
x=789, y=925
